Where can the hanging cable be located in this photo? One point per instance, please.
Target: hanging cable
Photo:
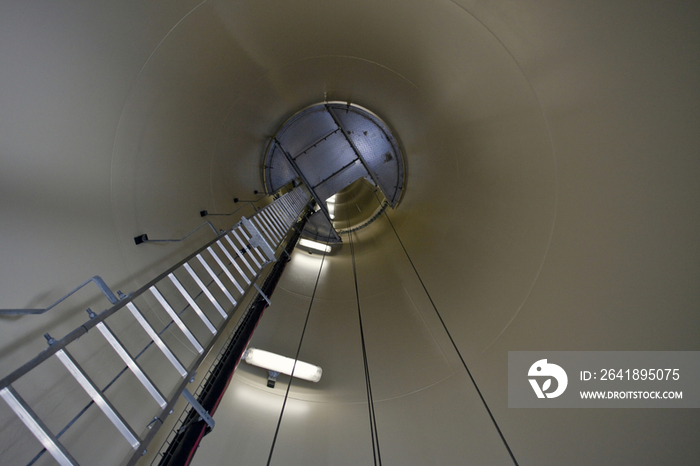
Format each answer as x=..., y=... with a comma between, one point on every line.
x=296, y=357
x=505, y=442
x=368, y=385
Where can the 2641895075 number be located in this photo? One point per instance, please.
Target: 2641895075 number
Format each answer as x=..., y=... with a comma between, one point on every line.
x=640, y=374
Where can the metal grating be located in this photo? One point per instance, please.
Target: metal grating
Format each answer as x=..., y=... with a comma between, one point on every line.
x=329, y=146
x=304, y=129
x=326, y=159
x=341, y=181
x=278, y=171
x=377, y=150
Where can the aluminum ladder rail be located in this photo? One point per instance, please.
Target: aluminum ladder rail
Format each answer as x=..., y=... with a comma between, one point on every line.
x=247, y=248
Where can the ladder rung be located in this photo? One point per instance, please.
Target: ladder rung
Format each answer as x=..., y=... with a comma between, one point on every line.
x=192, y=302
x=284, y=206
x=156, y=339
x=226, y=270
x=258, y=222
x=233, y=261
x=131, y=364
x=293, y=211
x=205, y=290
x=96, y=395
x=281, y=217
x=265, y=221
x=37, y=427
x=268, y=213
x=176, y=318
x=294, y=199
x=278, y=219
x=239, y=255
x=261, y=256
x=244, y=245
x=253, y=250
x=216, y=279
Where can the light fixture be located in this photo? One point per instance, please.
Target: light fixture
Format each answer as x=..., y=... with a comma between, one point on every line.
x=314, y=245
x=276, y=363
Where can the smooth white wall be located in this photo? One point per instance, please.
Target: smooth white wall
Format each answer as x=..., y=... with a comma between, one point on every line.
x=551, y=199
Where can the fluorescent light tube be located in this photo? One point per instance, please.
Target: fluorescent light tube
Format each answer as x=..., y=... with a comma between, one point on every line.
x=314, y=245
x=283, y=365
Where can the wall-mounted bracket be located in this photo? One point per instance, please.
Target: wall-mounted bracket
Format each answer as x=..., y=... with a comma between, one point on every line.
x=198, y=407
x=262, y=294
x=272, y=378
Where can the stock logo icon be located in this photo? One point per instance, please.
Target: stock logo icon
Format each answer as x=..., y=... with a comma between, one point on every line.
x=545, y=371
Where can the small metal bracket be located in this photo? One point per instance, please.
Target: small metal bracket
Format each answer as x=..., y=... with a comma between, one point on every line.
x=96, y=279
x=143, y=238
x=256, y=239
x=272, y=378
x=150, y=425
x=262, y=294
x=198, y=407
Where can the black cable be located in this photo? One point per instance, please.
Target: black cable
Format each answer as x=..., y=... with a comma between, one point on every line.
x=368, y=384
x=505, y=442
x=296, y=357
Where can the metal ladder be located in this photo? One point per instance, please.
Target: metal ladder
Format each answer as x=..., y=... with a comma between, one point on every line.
x=233, y=261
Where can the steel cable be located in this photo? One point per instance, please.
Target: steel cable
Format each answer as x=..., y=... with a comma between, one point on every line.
x=454, y=345
x=296, y=357
x=368, y=385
